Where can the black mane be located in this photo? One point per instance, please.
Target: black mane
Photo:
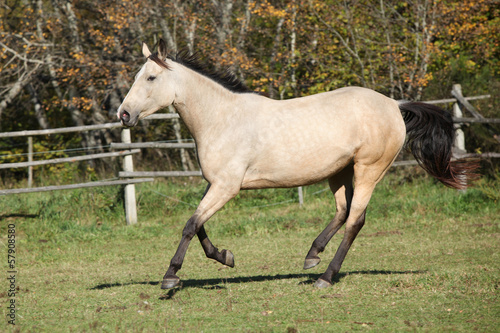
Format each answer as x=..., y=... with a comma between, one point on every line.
x=224, y=78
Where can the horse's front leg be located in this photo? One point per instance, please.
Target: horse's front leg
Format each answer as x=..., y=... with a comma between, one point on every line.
x=225, y=257
x=214, y=199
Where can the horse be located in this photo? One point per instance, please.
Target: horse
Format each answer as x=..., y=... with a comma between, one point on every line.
x=244, y=140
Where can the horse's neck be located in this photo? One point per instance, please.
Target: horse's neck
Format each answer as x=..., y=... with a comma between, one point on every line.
x=200, y=101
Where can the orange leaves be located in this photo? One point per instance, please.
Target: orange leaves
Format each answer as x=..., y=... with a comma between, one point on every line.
x=82, y=103
x=265, y=8
x=69, y=74
x=234, y=58
x=292, y=48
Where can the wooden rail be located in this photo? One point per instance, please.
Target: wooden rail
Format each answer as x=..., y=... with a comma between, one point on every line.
x=85, y=128
x=477, y=120
x=141, y=145
x=125, y=174
x=60, y=130
x=75, y=186
x=454, y=100
x=68, y=159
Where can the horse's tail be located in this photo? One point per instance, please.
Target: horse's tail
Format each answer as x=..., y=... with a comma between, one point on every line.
x=430, y=137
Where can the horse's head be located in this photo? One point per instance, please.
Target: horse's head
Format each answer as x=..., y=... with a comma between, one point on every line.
x=152, y=88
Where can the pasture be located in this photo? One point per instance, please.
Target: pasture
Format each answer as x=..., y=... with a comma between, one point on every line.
x=427, y=259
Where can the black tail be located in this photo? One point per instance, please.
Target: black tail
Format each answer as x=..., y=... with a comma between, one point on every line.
x=430, y=139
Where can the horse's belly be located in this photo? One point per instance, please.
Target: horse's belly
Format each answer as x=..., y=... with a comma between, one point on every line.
x=293, y=170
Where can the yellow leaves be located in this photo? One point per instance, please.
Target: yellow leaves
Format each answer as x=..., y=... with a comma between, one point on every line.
x=470, y=65
x=319, y=5
x=263, y=81
x=267, y=9
x=469, y=27
x=78, y=55
x=423, y=81
x=82, y=103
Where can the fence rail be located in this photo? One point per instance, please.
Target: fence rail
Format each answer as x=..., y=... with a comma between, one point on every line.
x=68, y=159
x=125, y=174
x=60, y=130
x=477, y=120
x=454, y=100
x=142, y=145
x=75, y=186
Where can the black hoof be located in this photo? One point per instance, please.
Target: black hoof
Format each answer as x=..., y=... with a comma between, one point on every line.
x=311, y=262
x=170, y=282
x=228, y=258
x=320, y=283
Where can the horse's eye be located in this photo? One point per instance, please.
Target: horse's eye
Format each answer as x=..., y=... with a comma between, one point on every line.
x=151, y=78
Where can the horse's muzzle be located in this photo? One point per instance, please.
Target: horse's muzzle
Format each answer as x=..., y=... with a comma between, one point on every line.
x=125, y=119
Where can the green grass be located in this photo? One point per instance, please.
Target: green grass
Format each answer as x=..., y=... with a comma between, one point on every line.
x=426, y=260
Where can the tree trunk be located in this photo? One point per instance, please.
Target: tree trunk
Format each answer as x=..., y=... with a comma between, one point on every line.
x=39, y=112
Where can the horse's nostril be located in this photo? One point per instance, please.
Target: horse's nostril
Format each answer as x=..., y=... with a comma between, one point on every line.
x=125, y=116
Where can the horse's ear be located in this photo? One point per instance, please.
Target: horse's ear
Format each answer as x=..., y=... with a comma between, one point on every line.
x=145, y=50
x=162, y=49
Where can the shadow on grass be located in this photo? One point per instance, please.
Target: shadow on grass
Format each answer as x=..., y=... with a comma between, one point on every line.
x=28, y=216
x=219, y=283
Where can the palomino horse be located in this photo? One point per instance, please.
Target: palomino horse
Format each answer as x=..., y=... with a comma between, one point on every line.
x=350, y=136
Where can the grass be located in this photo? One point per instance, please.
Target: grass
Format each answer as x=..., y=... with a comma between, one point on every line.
x=426, y=260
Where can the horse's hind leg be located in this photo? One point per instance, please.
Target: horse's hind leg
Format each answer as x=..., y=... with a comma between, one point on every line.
x=341, y=186
x=365, y=179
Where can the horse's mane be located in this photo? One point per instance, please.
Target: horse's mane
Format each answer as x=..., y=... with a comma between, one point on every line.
x=191, y=61
x=224, y=77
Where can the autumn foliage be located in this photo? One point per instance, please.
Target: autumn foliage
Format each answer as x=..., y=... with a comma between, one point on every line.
x=65, y=63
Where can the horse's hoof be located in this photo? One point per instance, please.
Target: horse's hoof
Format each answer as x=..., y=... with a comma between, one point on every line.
x=311, y=262
x=320, y=283
x=170, y=282
x=228, y=258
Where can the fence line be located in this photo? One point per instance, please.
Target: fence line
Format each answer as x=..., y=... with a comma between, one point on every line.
x=142, y=145
x=60, y=130
x=51, y=151
x=139, y=174
x=85, y=128
x=477, y=120
x=454, y=100
x=75, y=186
x=67, y=159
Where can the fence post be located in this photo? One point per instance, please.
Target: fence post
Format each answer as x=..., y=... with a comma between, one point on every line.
x=128, y=165
x=301, y=196
x=459, y=144
x=30, y=159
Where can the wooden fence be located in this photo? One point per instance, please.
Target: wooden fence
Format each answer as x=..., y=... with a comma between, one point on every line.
x=127, y=149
